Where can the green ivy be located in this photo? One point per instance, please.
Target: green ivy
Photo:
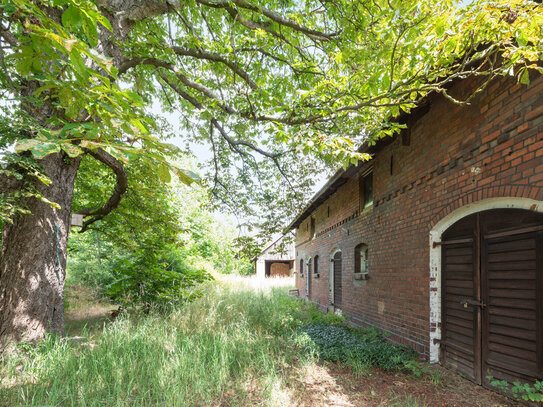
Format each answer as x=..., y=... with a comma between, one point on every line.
x=339, y=343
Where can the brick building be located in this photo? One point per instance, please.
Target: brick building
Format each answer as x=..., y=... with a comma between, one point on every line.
x=438, y=240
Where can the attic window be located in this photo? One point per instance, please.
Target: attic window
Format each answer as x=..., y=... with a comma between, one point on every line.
x=366, y=190
x=312, y=229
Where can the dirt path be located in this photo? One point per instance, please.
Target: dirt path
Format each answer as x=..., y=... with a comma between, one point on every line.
x=331, y=385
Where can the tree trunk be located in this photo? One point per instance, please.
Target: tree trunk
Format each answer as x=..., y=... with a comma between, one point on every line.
x=33, y=259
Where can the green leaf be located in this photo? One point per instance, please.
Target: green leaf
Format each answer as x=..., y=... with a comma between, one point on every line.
x=119, y=155
x=71, y=18
x=43, y=149
x=26, y=144
x=164, y=173
x=78, y=64
x=72, y=150
x=90, y=30
x=525, y=77
x=23, y=66
x=186, y=176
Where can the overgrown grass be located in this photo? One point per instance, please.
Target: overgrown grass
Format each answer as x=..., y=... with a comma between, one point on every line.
x=230, y=347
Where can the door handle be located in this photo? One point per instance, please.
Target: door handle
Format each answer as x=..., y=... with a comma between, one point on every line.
x=473, y=302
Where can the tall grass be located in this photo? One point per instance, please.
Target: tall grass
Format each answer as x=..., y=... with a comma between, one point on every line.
x=229, y=347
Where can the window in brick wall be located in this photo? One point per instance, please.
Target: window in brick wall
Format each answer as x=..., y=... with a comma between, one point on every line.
x=316, y=267
x=361, y=261
x=365, y=187
x=301, y=268
x=312, y=228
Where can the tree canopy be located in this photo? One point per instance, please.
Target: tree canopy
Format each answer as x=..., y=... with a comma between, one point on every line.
x=261, y=83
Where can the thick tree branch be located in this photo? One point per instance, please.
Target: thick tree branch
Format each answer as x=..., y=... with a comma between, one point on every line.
x=214, y=57
x=316, y=35
x=252, y=25
x=127, y=12
x=120, y=188
x=232, y=142
x=132, y=63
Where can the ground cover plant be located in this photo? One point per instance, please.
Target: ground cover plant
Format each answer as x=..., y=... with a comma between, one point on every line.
x=358, y=348
x=229, y=347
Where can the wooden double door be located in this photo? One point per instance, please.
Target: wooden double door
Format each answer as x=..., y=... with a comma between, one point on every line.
x=492, y=296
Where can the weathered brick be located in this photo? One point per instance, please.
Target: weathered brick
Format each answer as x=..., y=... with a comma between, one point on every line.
x=457, y=155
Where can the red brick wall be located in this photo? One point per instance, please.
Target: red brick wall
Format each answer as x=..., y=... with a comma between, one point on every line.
x=457, y=155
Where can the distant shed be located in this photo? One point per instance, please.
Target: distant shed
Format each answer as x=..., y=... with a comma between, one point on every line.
x=277, y=259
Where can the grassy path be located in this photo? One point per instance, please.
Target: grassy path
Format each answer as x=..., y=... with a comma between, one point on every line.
x=238, y=345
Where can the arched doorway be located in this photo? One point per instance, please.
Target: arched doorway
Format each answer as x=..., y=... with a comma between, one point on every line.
x=308, y=273
x=335, y=278
x=492, y=295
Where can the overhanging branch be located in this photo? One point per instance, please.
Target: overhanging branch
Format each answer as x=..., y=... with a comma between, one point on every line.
x=120, y=188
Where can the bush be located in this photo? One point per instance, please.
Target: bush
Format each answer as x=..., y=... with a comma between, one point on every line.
x=156, y=276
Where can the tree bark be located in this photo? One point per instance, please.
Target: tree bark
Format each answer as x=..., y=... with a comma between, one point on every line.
x=33, y=259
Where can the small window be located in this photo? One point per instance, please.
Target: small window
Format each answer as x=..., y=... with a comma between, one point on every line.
x=316, y=267
x=312, y=230
x=301, y=268
x=366, y=190
x=361, y=261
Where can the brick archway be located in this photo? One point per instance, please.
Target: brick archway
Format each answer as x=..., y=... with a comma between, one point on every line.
x=447, y=217
x=487, y=193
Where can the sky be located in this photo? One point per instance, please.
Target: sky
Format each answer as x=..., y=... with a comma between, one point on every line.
x=203, y=154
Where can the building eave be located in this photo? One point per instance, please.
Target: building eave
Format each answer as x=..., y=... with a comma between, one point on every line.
x=342, y=176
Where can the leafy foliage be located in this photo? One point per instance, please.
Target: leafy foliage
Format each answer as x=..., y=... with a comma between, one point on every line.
x=341, y=343
x=267, y=86
x=524, y=391
x=160, y=242
x=155, y=276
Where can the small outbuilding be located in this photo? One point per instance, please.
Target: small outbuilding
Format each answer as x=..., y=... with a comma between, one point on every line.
x=277, y=259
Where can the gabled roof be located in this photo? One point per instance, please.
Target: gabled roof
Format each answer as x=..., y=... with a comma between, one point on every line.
x=274, y=241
